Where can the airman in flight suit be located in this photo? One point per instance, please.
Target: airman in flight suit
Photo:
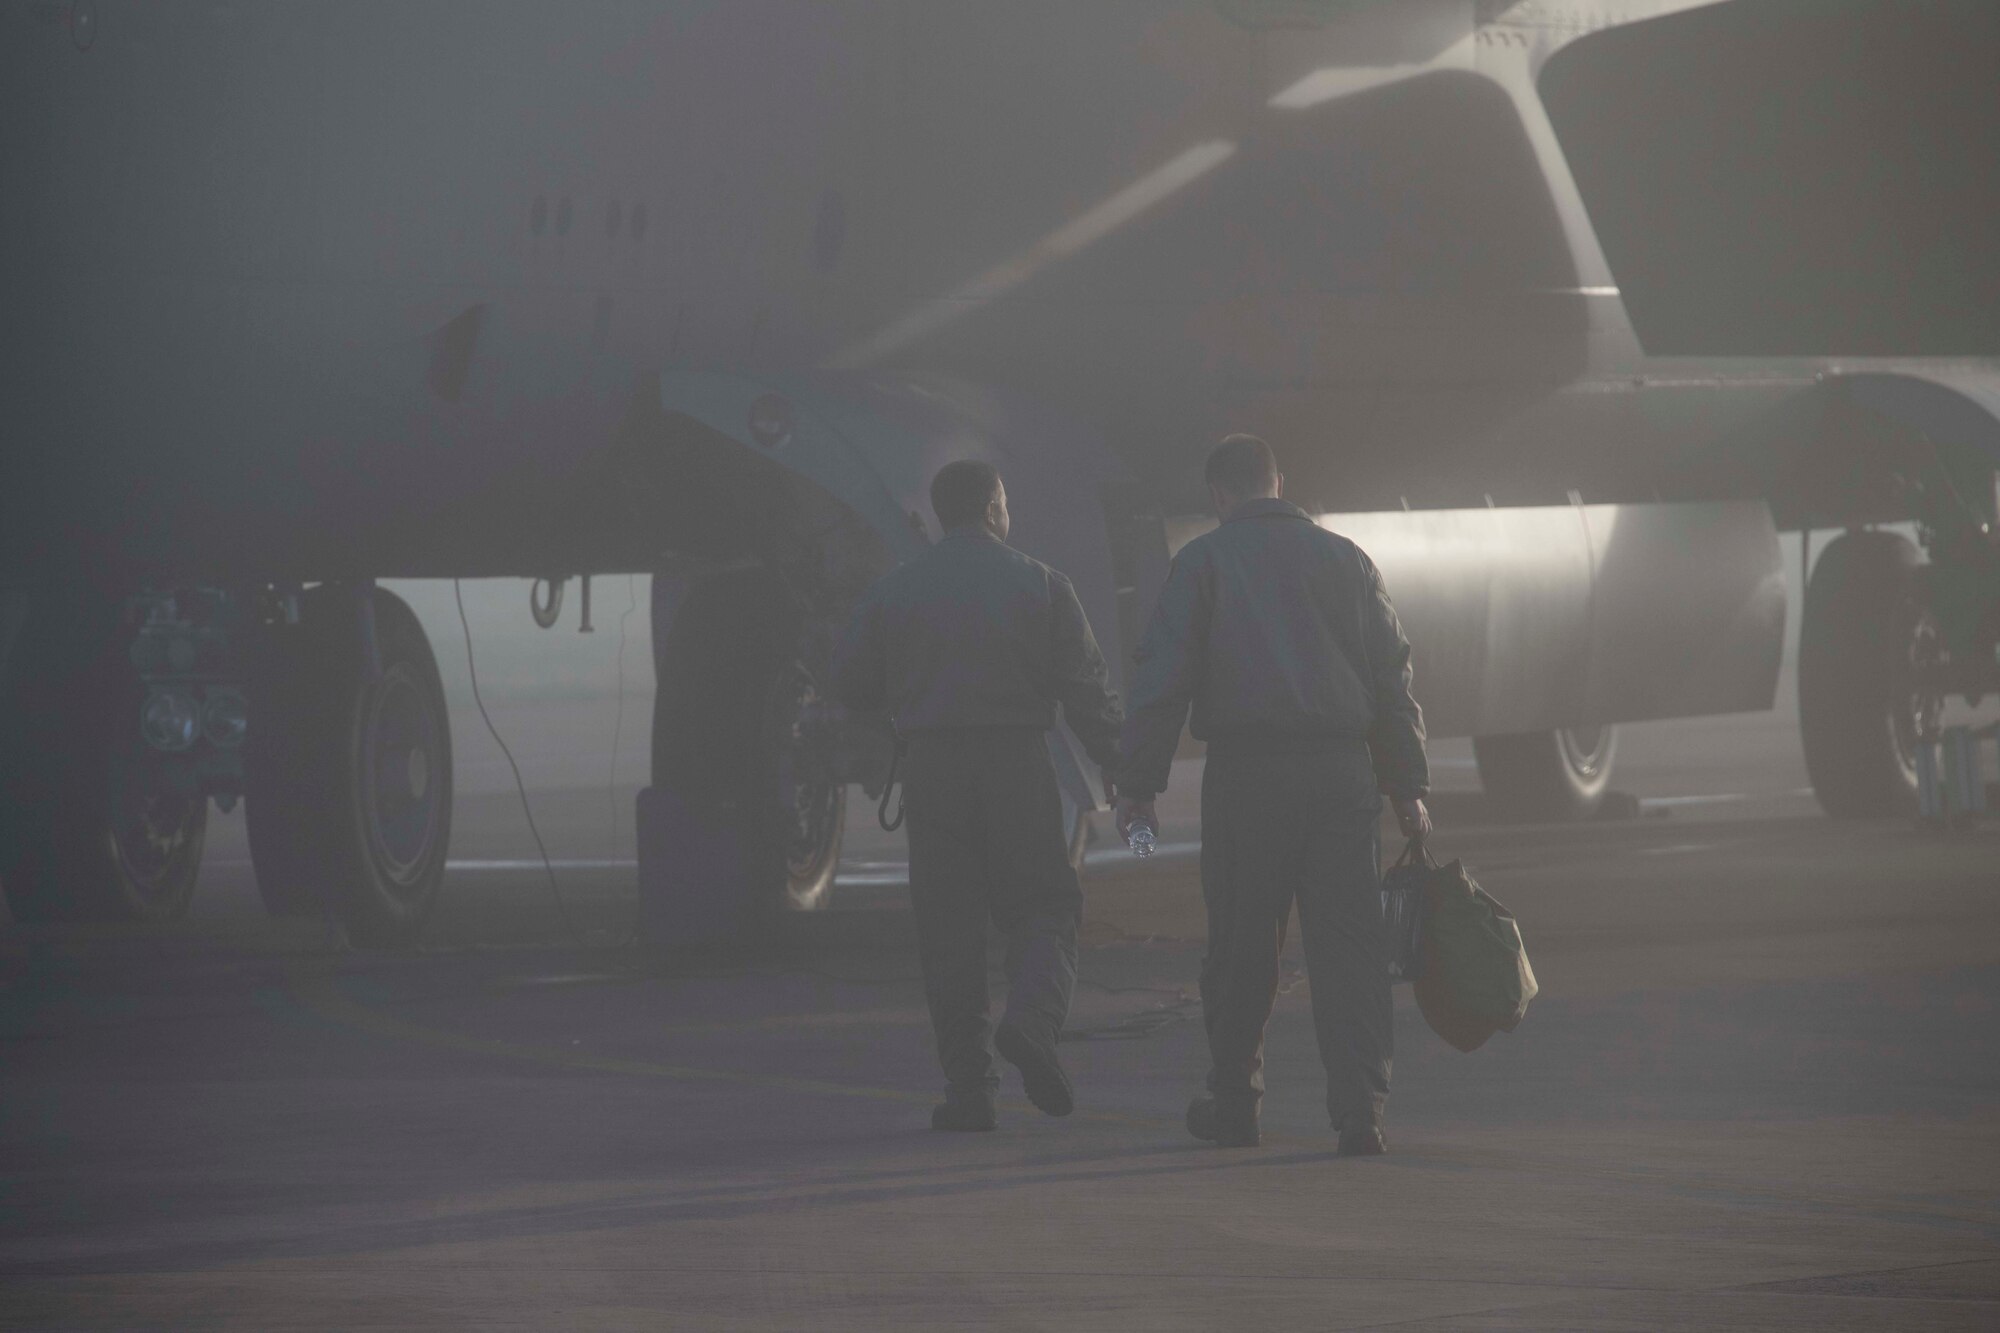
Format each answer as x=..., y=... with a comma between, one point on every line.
x=971, y=647
x=1280, y=637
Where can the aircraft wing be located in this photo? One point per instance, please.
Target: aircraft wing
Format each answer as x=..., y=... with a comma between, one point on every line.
x=1834, y=189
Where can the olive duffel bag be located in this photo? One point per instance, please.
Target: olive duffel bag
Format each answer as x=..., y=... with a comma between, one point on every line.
x=1472, y=977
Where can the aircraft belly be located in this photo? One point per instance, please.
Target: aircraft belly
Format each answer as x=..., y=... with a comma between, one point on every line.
x=302, y=432
x=397, y=326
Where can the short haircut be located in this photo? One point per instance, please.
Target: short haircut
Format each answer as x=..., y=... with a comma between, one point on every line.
x=1242, y=465
x=961, y=491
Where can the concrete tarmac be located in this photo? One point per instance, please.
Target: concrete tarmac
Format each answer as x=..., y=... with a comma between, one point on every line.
x=1758, y=1090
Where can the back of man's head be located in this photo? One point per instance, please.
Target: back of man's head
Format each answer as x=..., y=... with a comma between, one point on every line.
x=1243, y=468
x=961, y=491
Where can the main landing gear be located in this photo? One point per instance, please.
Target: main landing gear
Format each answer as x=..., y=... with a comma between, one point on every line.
x=1870, y=676
x=121, y=717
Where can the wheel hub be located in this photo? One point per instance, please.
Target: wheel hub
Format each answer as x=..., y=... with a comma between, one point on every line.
x=400, y=802
x=1584, y=749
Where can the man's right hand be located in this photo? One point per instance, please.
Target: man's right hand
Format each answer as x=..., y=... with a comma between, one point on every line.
x=1412, y=817
x=1130, y=811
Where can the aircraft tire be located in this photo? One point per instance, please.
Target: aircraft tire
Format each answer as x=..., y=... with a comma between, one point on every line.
x=1547, y=776
x=1858, y=718
x=349, y=778
x=738, y=729
x=84, y=835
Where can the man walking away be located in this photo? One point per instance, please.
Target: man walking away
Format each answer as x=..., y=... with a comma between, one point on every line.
x=970, y=647
x=1281, y=637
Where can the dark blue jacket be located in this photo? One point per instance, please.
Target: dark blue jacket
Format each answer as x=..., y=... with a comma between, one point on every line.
x=1280, y=636
x=974, y=634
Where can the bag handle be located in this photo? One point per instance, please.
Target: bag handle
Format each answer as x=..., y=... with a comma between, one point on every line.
x=1415, y=852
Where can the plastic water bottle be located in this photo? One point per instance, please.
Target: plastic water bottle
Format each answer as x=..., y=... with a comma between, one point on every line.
x=1141, y=838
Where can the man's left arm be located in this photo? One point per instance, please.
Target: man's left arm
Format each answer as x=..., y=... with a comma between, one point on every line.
x=1396, y=739
x=1079, y=679
x=1165, y=678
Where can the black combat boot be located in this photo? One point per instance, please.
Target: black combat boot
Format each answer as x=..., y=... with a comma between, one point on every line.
x=1362, y=1138
x=1234, y=1128
x=1042, y=1073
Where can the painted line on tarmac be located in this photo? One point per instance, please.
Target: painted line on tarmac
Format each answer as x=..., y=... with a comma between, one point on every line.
x=532, y=863
x=872, y=879
x=524, y=863
x=871, y=874
x=1682, y=848
x=894, y=874
x=1724, y=798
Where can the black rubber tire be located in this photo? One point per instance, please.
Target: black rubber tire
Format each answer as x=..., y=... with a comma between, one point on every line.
x=1861, y=619
x=84, y=832
x=349, y=777
x=1547, y=776
x=731, y=666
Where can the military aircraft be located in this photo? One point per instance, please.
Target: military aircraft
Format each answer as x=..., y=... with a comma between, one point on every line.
x=1564, y=311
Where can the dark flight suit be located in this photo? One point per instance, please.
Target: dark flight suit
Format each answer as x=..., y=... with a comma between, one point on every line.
x=970, y=647
x=1281, y=637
